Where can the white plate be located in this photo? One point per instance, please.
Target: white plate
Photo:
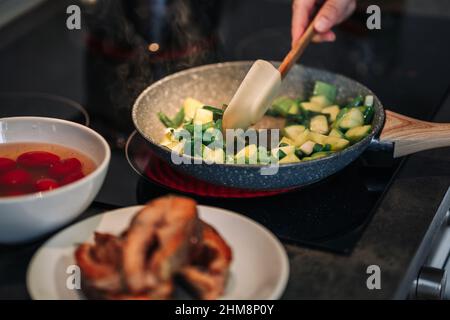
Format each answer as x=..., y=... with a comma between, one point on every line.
x=259, y=270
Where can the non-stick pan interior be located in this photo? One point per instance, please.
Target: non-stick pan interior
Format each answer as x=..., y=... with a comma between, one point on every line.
x=215, y=84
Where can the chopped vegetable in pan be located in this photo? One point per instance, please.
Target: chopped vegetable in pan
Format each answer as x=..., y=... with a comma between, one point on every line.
x=313, y=129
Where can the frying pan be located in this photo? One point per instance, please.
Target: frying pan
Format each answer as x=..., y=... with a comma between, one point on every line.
x=215, y=84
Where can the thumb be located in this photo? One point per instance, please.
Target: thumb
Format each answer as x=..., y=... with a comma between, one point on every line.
x=332, y=12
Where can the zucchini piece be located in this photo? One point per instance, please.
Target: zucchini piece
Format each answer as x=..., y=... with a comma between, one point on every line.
x=325, y=89
x=341, y=114
x=165, y=142
x=207, y=125
x=180, y=134
x=317, y=147
x=248, y=154
x=263, y=155
x=320, y=100
x=368, y=101
x=357, y=133
x=282, y=105
x=317, y=137
x=189, y=128
x=177, y=147
x=293, y=119
x=218, y=113
x=218, y=124
x=332, y=112
x=319, y=155
x=293, y=110
x=194, y=148
x=285, y=141
x=308, y=147
x=288, y=149
x=168, y=137
x=210, y=135
x=368, y=114
x=311, y=106
x=293, y=131
x=299, y=154
x=229, y=158
x=284, y=150
x=301, y=138
x=353, y=118
x=336, y=143
x=319, y=124
x=290, y=158
x=190, y=107
x=336, y=133
x=213, y=155
x=203, y=116
x=356, y=102
x=281, y=152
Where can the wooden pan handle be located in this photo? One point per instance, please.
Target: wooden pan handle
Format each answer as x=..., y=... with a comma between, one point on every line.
x=296, y=50
x=411, y=135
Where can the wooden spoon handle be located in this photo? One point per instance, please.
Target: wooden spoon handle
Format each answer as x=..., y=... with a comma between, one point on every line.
x=296, y=50
x=411, y=135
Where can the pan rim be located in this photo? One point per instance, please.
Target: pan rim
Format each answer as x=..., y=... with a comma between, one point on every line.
x=376, y=125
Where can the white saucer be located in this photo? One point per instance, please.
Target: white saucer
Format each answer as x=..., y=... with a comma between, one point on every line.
x=260, y=267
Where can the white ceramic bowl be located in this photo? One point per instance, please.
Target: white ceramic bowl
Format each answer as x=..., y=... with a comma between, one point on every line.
x=24, y=218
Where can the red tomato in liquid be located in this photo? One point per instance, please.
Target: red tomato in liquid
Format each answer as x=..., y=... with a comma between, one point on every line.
x=46, y=184
x=15, y=178
x=37, y=159
x=6, y=164
x=72, y=178
x=65, y=167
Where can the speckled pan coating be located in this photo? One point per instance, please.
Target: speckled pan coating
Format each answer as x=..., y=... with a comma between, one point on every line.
x=215, y=84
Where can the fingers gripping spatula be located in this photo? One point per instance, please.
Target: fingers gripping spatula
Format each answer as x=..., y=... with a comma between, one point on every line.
x=260, y=87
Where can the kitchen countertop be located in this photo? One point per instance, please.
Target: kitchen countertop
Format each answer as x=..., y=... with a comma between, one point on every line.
x=393, y=240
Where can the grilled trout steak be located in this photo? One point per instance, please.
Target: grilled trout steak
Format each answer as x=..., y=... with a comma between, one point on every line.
x=165, y=240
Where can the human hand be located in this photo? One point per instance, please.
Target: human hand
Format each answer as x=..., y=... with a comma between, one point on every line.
x=332, y=13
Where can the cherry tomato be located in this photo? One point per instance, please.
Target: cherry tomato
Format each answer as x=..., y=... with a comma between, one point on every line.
x=71, y=178
x=15, y=178
x=37, y=159
x=64, y=167
x=46, y=184
x=6, y=164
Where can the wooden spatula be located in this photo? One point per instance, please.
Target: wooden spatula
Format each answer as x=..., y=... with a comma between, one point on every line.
x=260, y=87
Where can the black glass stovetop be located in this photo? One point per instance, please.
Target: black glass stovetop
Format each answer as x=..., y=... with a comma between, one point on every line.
x=107, y=63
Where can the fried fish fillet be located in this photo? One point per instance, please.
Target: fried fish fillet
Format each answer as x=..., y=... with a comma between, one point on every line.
x=164, y=239
x=158, y=242
x=207, y=273
x=100, y=263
